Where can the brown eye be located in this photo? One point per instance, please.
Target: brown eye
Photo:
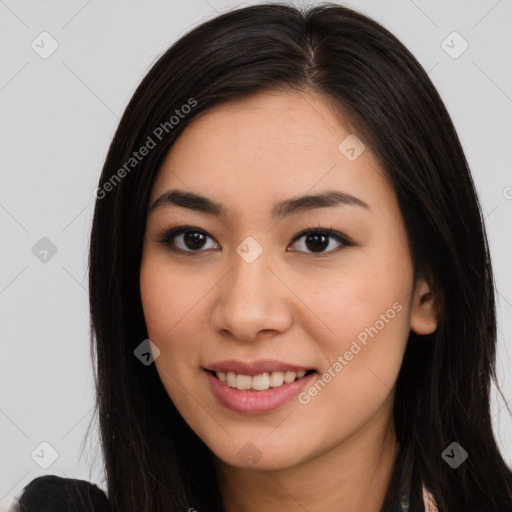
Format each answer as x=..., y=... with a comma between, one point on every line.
x=318, y=240
x=186, y=239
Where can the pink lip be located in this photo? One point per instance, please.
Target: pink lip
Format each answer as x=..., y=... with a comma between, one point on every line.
x=255, y=367
x=256, y=402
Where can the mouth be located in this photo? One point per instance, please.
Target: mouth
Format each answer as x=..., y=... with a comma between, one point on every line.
x=260, y=382
x=258, y=387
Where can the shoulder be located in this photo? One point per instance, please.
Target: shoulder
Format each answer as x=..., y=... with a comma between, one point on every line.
x=51, y=493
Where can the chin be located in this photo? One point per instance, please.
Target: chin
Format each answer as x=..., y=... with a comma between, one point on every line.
x=258, y=454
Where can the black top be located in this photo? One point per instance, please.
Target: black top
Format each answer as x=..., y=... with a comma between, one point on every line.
x=52, y=493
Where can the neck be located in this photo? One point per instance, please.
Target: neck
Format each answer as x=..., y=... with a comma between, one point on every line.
x=353, y=476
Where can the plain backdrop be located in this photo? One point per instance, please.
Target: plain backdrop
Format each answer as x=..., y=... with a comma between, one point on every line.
x=58, y=114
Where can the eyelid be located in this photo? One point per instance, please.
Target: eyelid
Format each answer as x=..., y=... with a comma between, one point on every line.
x=166, y=235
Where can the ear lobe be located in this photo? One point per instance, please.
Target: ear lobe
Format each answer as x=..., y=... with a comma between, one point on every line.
x=424, y=316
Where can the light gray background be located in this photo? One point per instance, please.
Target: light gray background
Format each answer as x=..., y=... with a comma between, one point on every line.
x=57, y=118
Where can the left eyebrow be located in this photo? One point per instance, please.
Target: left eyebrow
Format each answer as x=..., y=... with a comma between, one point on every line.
x=329, y=198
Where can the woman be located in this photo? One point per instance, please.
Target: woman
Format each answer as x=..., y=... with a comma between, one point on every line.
x=291, y=292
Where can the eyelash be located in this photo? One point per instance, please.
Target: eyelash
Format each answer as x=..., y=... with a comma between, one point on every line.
x=167, y=236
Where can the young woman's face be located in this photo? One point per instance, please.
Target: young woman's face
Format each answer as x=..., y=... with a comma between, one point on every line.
x=245, y=293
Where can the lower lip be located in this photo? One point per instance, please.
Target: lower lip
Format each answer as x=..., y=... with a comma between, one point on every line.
x=256, y=402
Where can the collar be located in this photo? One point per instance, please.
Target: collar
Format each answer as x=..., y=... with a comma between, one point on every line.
x=428, y=500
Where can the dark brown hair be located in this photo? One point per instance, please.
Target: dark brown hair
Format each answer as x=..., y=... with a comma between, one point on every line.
x=154, y=462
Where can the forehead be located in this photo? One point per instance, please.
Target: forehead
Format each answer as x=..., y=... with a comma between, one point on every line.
x=266, y=147
x=263, y=127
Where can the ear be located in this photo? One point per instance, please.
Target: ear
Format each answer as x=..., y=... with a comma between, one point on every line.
x=424, y=316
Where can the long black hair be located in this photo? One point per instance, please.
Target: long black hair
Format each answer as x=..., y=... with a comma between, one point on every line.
x=153, y=461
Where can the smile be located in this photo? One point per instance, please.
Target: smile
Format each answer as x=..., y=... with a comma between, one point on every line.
x=258, y=387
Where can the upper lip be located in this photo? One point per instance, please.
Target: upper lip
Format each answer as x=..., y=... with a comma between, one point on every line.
x=255, y=367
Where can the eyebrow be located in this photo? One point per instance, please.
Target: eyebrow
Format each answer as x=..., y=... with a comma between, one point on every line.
x=329, y=198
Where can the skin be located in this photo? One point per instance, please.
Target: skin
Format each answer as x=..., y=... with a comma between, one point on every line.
x=291, y=304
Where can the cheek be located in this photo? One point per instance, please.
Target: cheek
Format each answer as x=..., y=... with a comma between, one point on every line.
x=166, y=299
x=176, y=316
x=369, y=312
x=356, y=305
x=361, y=361
x=168, y=296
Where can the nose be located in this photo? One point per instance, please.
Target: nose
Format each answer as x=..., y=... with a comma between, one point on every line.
x=250, y=300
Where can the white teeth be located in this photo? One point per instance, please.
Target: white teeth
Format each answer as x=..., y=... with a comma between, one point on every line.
x=231, y=379
x=260, y=382
x=289, y=377
x=243, y=381
x=276, y=379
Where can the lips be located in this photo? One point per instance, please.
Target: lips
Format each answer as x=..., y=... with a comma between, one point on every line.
x=256, y=387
